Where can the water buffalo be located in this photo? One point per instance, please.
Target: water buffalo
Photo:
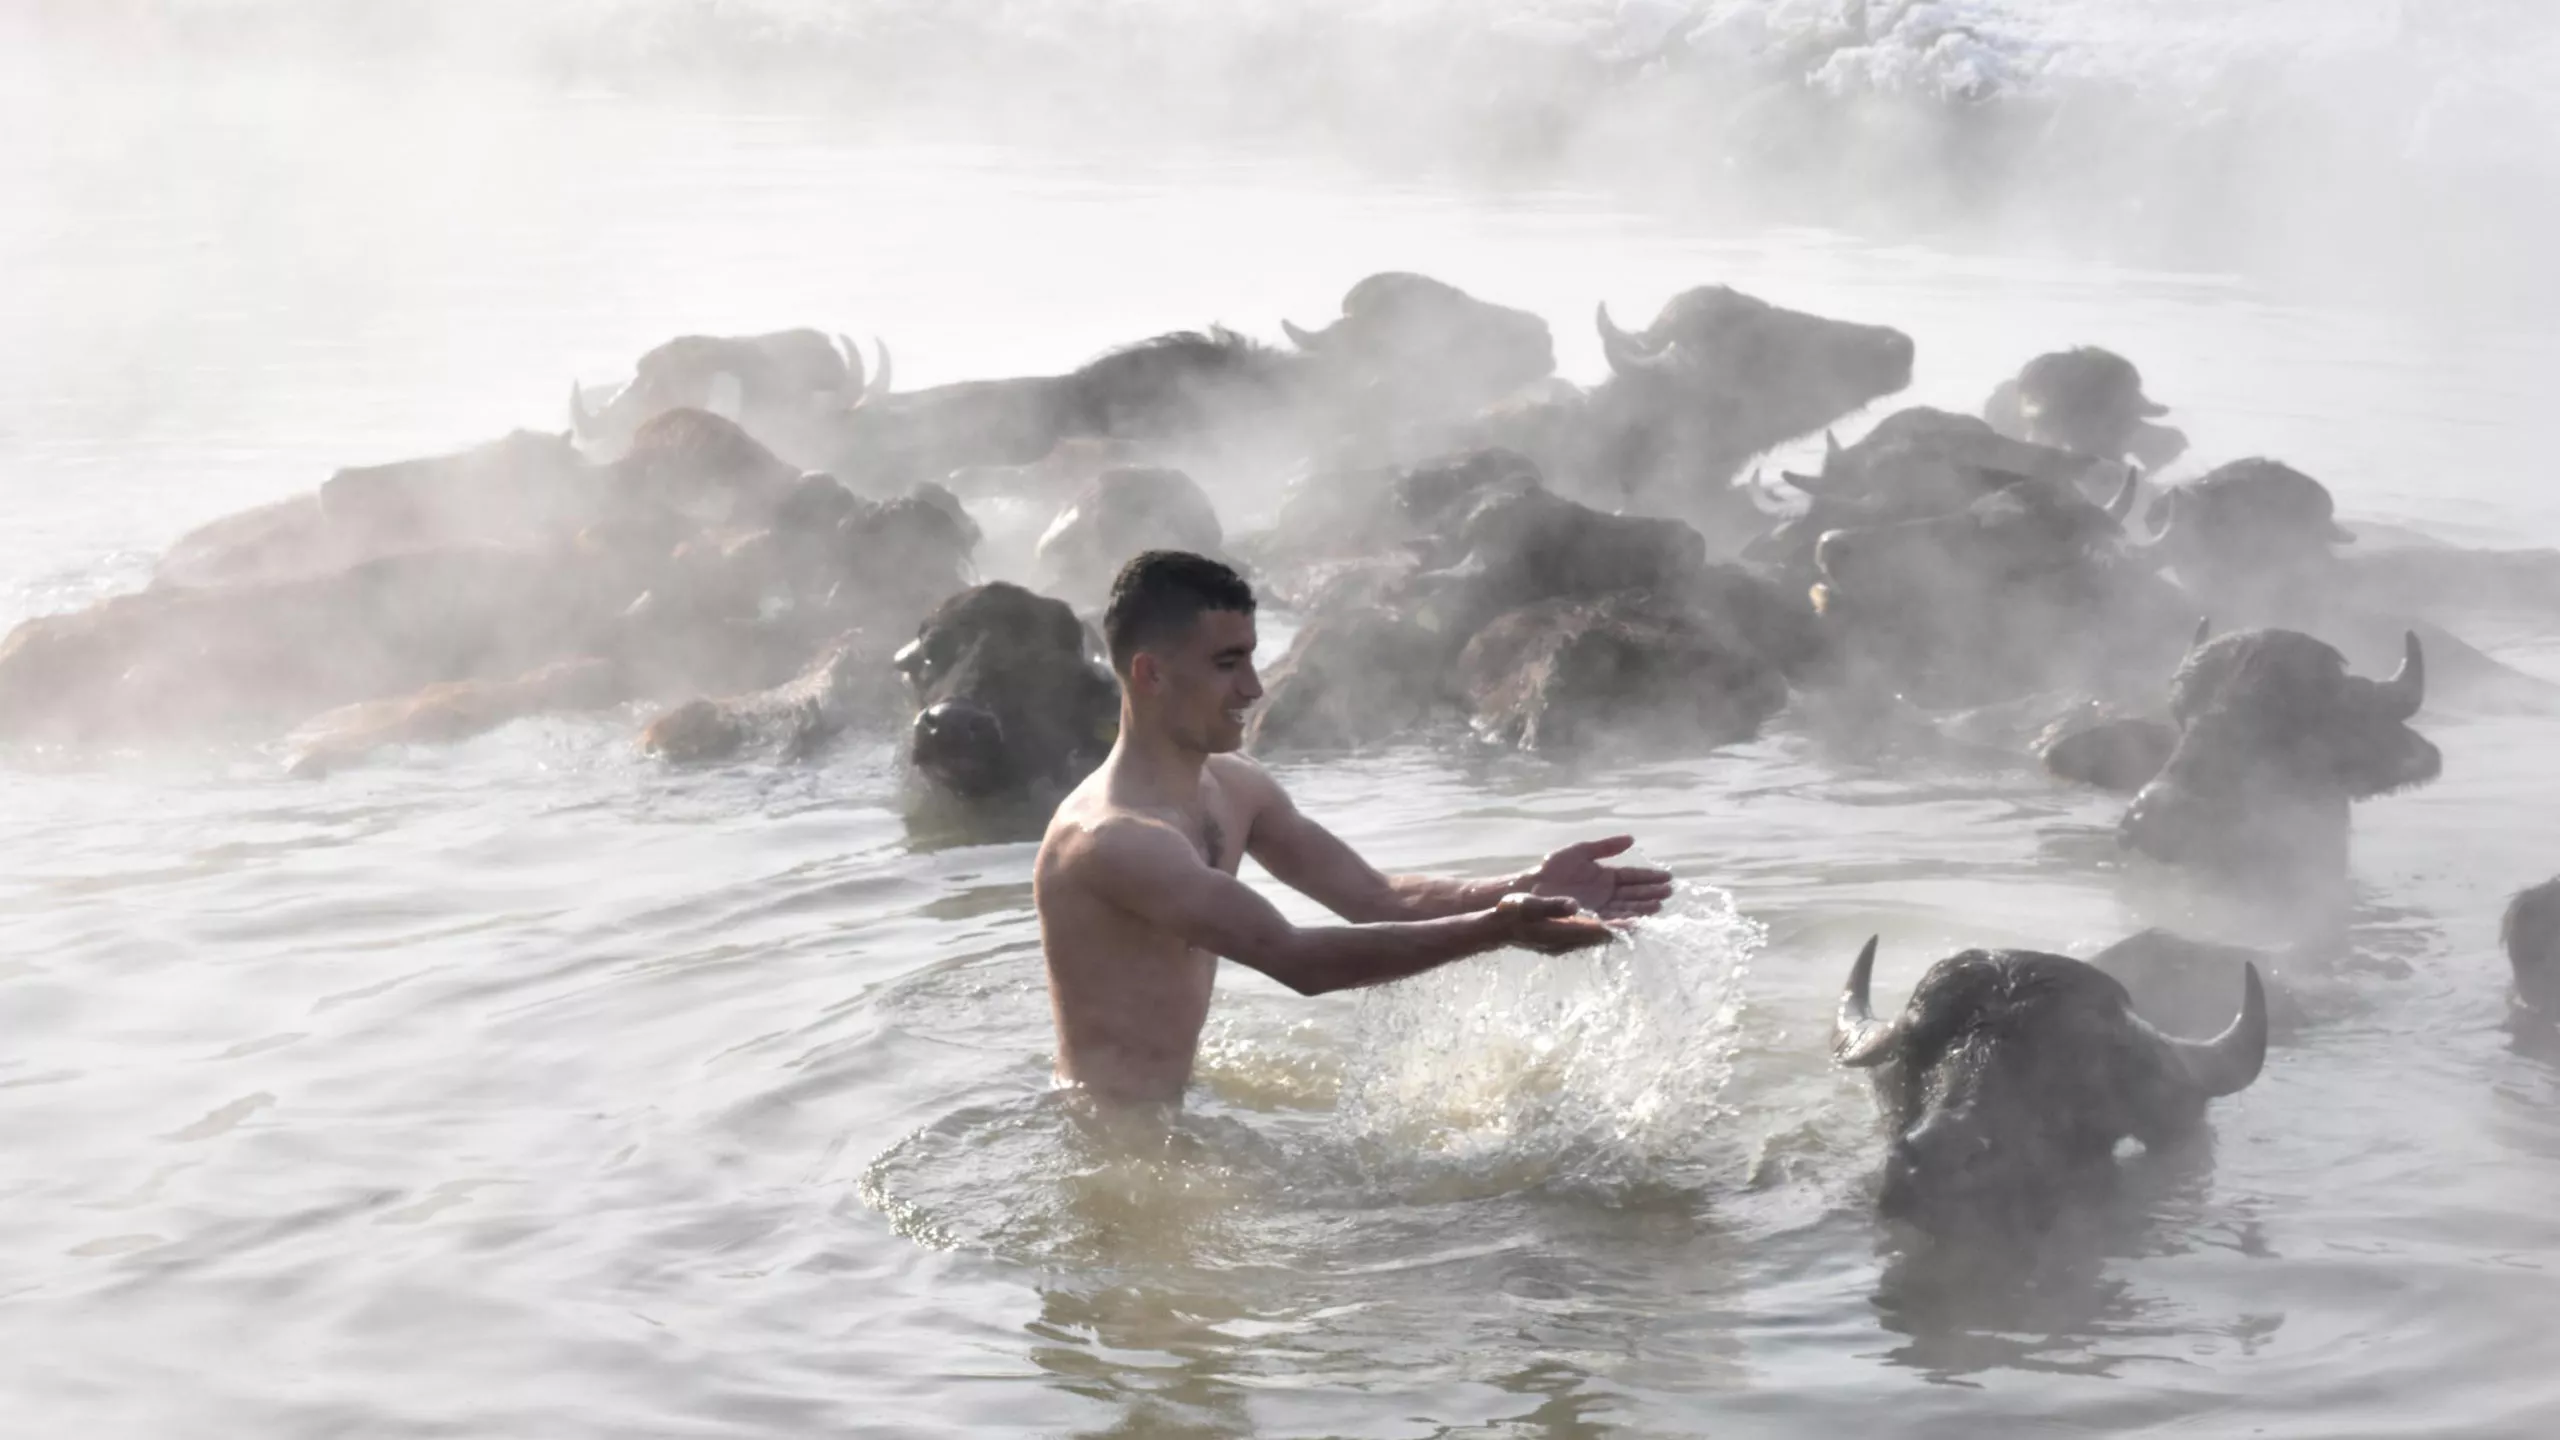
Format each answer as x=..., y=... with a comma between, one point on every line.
x=2251, y=538
x=1631, y=667
x=524, y=489
x=1355, y=675
x=1122, y=512
x=1172, y=388
x=2087, y=400
x=2531, y=934
x=451, y=711
x=257, y=657
x=2029, y=588
x=2275, y=739
x=2011, y=1076
x=1718, y=377
x=522, y=486
x=1010, y=701
x=1420, y=351
x=2106, y=749
x=788, y=389
x=838, y=689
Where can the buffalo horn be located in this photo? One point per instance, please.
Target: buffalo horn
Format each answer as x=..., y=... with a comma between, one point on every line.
x=881, y=374
x=2406, y=690
x=2120, y=509
x=854, y=384
x=1627, y=354
x=2227, y=1063
x=1858, y=1039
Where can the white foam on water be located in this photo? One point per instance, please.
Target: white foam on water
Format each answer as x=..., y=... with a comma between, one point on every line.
x=1593, y=1071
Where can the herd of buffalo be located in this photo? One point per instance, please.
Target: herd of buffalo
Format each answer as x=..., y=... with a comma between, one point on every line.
x=765, y=543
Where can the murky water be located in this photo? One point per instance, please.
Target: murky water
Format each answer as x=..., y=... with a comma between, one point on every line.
x=525, y=1088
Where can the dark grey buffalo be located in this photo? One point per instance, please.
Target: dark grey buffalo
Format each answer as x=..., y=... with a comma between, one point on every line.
x=1121, y=513
x=1010, y=702
x=789, y=389
x=2011, y=1076
x=2275, y=740
x=2253, y=539
x=2531, y=934
x=1420, y=351
x=1630, y=668
x=1176, y=387
x=2030, y=588
x=1718, y=377
x=2087, y=400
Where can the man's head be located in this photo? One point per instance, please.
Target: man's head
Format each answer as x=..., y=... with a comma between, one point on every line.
x=1180, y=630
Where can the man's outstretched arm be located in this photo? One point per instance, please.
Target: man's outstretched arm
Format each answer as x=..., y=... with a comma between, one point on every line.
x=1152, y=871
x=1308, y=858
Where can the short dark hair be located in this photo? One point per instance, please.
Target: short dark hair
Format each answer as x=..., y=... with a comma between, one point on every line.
x=1159, y=593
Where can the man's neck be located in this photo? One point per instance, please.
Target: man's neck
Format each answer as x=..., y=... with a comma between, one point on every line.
x=1154, y=768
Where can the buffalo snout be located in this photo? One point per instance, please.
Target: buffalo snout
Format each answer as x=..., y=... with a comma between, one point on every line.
x=959, y=744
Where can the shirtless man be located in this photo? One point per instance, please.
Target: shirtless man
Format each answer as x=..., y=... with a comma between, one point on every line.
x=1136, y=881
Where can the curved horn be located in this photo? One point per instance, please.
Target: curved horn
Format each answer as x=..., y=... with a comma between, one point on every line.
x=1626, y=353
x=1830, y=450
x=1858, y=1039
x=854, y=384
x=2227, y=1063
x=2155, y=551
x=582, y=423
x=881, y=375
x=2204, y=632
x=2120, y=509
x=1304, y=339
x=2406, y=690
x=1761, y=499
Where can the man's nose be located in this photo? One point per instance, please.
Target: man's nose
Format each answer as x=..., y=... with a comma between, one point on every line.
x=1251, y=689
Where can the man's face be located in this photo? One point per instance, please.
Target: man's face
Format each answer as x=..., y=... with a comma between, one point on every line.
x=1204, y=682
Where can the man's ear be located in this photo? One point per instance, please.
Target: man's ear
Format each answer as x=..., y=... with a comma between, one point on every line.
x=1145, y=672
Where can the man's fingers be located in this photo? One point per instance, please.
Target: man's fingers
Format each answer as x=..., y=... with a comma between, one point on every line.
x=1594, y=849
x=1556, y=937
x=1643, y=889
x=1643, y=875
x=1622, y=907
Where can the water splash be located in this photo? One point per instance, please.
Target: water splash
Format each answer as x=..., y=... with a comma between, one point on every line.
x=1590, y=1072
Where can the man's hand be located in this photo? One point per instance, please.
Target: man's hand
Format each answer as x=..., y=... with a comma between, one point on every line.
x=1612, y=892
x=1550, y=924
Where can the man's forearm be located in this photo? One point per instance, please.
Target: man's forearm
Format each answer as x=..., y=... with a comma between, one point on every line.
x=1433, y=897
x=1324, y=958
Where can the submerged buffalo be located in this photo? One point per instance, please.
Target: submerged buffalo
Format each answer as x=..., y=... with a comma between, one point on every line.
x=793, y=720
x=2029, y=588
x=2275, y=740
x=2087, y=400
x=1632, y=667
x=788, y=389
x=1010, y=701
x=1415, y=351
x=2011, y=1076
x=1122, y=512
x=2531, y=934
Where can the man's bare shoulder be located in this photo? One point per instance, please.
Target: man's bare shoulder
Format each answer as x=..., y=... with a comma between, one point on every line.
x=1247, y=782
x=1091, y=830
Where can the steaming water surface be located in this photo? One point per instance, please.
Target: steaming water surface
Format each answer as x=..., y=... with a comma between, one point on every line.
x=527, y=1088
